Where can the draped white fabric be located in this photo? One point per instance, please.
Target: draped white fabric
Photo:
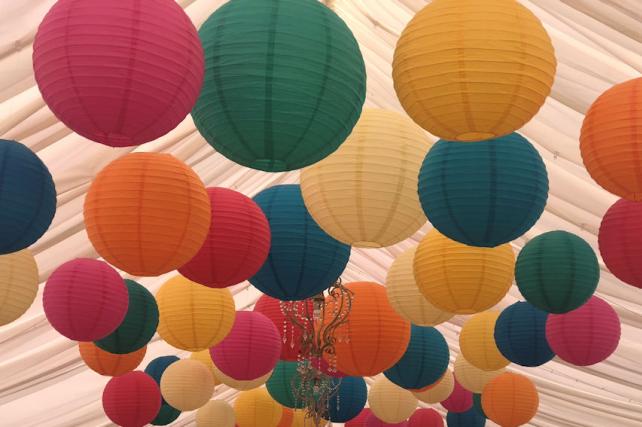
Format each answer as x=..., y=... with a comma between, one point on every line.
x=598, y=43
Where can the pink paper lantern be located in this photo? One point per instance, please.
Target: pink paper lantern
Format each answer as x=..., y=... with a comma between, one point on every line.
x=584, y=336
x=250, y=350
x=121, y=73
x=359, y=420
x=132, y=399
x=426, y=417
x=85, y=299
x=460, y=400
x=373, y=421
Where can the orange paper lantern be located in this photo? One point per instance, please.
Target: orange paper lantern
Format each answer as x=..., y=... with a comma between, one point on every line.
x=109, y=364
x=510, y=400
x=286, y=417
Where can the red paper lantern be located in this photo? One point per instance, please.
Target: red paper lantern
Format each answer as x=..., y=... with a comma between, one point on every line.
x=85, y=299
x=373, y=421
x=250, y=350
x=121, y=73
x=620, y=240
x=460, y=400
x=236, y=245
x=132, y=399
x=426, y=417
x=359, y=420
x=584, y=336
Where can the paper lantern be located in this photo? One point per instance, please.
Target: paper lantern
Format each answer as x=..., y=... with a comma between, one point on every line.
x=477, y=404
x=132, y=399
x=139, y=325
x=404, y=295
x=239, y=384
x=85, y=299
x=187, y=385
x=485, y=79
x=460, y=400
x=510, y=400
x=205, y=358
x=303, y=259
x=472, y=378
x=28, y=200
x=109, y=364
x=291, y=95
x=389, y=402
x=477, y=342
x=256, y=408
x=426, y=417
x=373, y=421
x=439, y=391
x=237, y=243
x=193, y=317
x=620, y=240
x=157, y=366
x=215, y=413
x=145, y=89
x=610, y=140
x=281, y=384
x=286, y=418
x=348, y=400
x=462, y=279
x=424, y=362
x=166, y=414
x=374, y=337
x=359, y=420
x=586, y=335
x=470, y=418
x=18, y=284
x=520, y=335
x=365, y=193
x=557, y=271
x=483, y=194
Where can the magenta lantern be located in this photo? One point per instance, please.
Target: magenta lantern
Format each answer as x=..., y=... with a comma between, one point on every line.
x=373, y=421
x=426, y=417
x=359, y=420
x=460, y=400
x=132, y=399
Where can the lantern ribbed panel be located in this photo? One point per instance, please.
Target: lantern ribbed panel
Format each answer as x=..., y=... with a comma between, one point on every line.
x=510, y=400
x=472, y=70
x=477, y=342
x=470, y=418
x=438, y=392
x=187, y=385
x=240, y=384
x=205, y=358
x=359, y=420
x=389, y=402
x=280, y=384
x=166, y=415
x=215, y=413
x=145, y=89
x=284, y=83
x=472, y=378
x=586, y=335
x=256, y=408
x=132, y=399
x=27, y=197
x=193, y=317
x=557, y=271
x=483, y=194
x=462, y=279
x=18, y=284
x=85, y=299
x=460, y=400
x=426, y=417
x=365, y=193
x=404, y=295
x=349, y=399
x=109, y=364
x=373, y=421
x=611, y=139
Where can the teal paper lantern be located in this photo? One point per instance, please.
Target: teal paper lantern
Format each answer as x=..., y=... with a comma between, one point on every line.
x=155, y=369
x=470, y=418
x=166, y=415
x=484, y=193
x=348, y=400
x=281, y=382
x=477, y=404
x=557, y=271
x=139, y=325
x=284, y=83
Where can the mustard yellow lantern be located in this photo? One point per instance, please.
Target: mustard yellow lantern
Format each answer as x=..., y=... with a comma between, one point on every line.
x=365, y=193
x=215, y=413
x=473, y=70
x=472, y=378
x=204, y=357
x=256, y=408
x=240, y=384
x=389, y=402
x=439, y=391
x=462, y=279
x=18, y=284
x=299, y=419
x=477, y=342
x=187, y=384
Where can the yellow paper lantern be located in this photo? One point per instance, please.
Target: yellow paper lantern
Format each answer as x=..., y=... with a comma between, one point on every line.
x=404, y=295
x=365, y=193
x=187, y=384
x=477, y=342
x=194, y=317
x=389, y=402
x=462, y=279
x=240, y=384
x=299, y=419
x=204, y=357
x=18, y=284
x=215, y=413
x=256, y=408
x=472, y=378
x=472, y=70
x=438, y=392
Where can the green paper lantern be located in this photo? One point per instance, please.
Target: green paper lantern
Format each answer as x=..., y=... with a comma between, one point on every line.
x=284, y=83
x=281, y=383
x=557, y=272
x=166, y=415
x=139, y=325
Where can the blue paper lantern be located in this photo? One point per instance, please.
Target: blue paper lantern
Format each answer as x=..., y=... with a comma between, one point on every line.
x=349, y=399
x=27, y=197
x=484, y=193
x=303, y=260
x=470, y=418
x=520, y=335
x=166, y=415
x=156, y=367
x=424, y=362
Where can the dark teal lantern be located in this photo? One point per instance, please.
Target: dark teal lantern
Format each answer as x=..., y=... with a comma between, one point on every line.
x=483, y=193
x=281, y=383
x=155, y=369
x=284, y=83
x=557, y=271
x=27, y=197
x=424, y=362
x=166, y=415
x=520, y=335
x=477, y=404
x=470, y=418
x=348, y=400
x=303, y=260
x=139, y=325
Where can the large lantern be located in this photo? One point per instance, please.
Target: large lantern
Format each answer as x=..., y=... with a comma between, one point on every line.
x=510, y=400
x=477, y=342
x=18, y=284
x=389, y=402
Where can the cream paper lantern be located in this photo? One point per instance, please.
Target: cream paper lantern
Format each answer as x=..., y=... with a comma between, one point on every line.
x=365, y=193
x=205, y=358
x=240, y=384
x=187, y=384
x=438, y=392
x=472, y=378
x=215, y=413
x=18, y=284
x=389, y=402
